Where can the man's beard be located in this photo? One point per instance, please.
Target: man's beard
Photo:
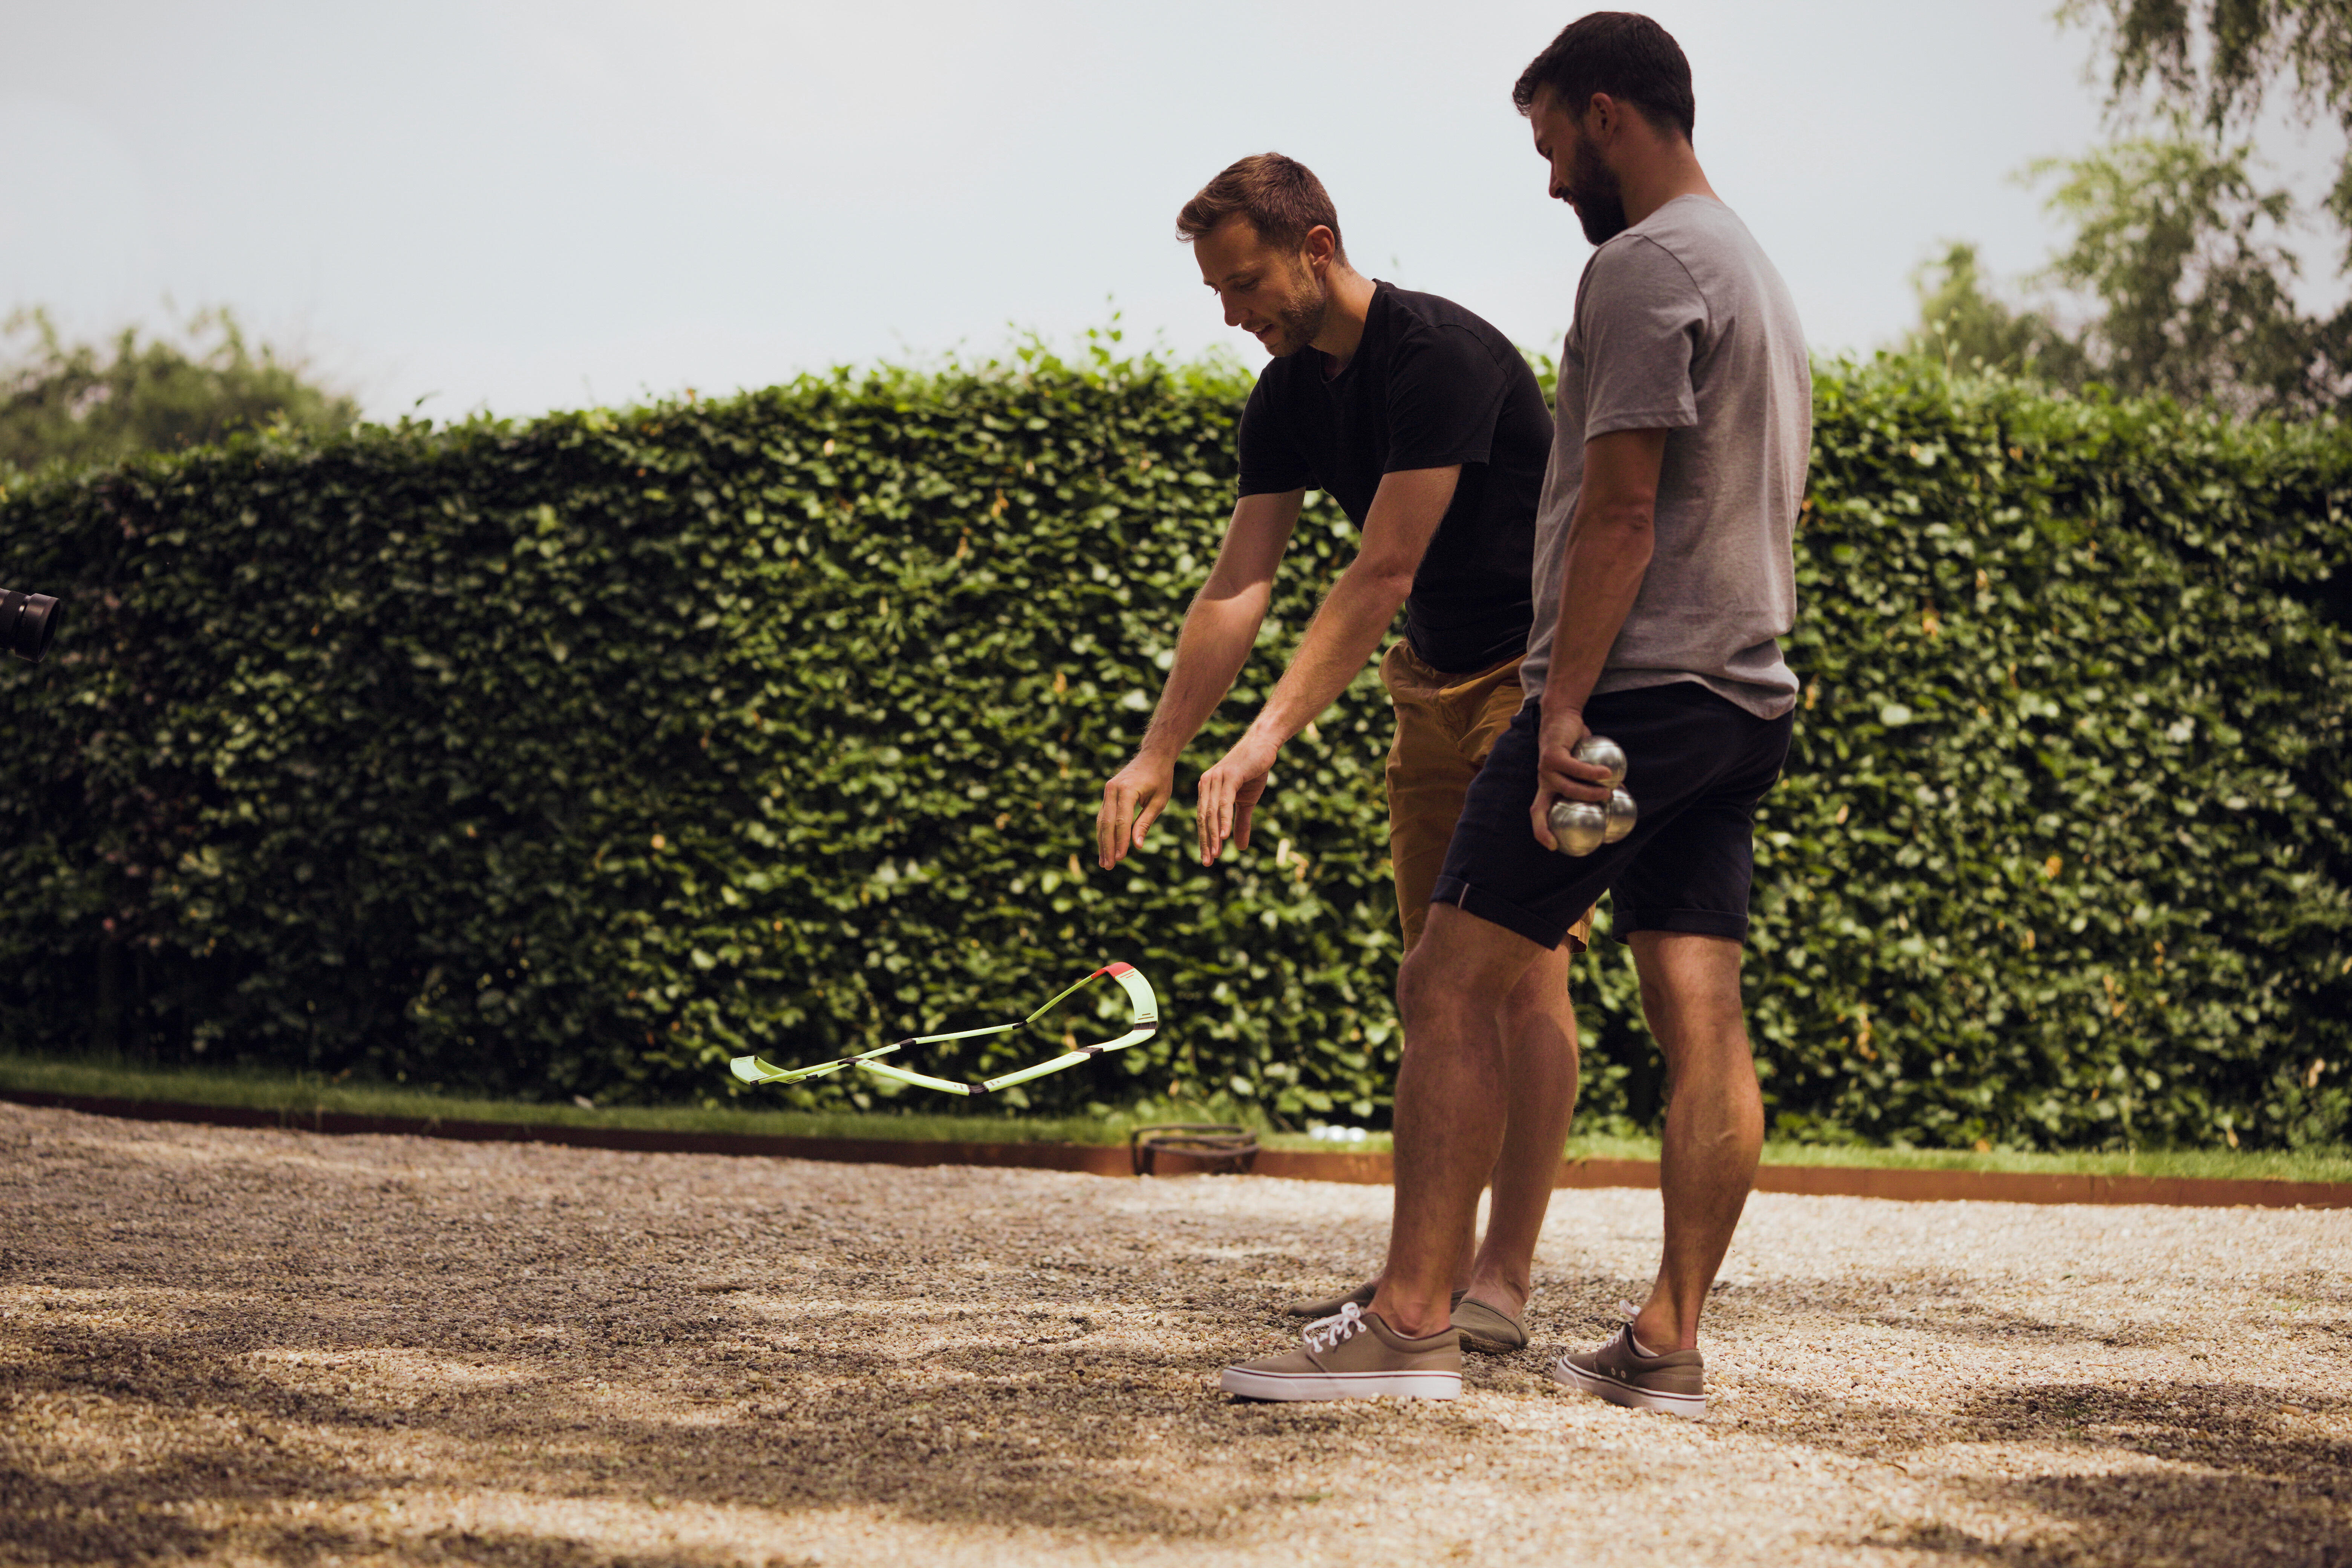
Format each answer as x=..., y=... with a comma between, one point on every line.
x=1600, y=201
x=1299, y=318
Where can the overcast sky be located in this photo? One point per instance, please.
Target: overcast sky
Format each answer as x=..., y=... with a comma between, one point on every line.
x=521, y=206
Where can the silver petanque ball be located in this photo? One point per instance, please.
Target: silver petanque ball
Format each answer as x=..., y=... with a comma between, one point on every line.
x=1622, y=814
x=1579, y=827
x=1604, y=752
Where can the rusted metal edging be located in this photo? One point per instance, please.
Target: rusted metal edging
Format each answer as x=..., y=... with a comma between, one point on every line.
x=1112, y=1160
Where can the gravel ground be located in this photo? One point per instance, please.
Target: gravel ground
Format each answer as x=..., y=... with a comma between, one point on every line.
x=262, y=1347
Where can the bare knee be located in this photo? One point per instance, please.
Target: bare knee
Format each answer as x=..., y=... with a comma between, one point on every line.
x=1461, y=965
x=1690, y=989
x=1423, y=986
x=1540, y=1000
x=1450, y=977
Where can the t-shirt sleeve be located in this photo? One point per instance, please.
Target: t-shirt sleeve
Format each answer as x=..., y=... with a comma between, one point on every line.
x=1644, y=320
x=1271, y=460
x=1445, y=392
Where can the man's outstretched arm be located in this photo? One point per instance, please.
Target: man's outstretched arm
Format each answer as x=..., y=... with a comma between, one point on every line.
x=1347, y=628
x=1220, y=629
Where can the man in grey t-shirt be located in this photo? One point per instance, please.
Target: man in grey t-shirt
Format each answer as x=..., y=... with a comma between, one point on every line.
x=1682, y=326
x=1663, y=582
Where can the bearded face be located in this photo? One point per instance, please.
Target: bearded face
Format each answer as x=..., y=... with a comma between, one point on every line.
x=1298, y=313
x=1272, y=293
x=1575, y=171
x=1593, y=190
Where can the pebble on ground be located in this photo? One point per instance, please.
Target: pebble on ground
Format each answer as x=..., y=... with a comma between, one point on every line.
x=249, y=1347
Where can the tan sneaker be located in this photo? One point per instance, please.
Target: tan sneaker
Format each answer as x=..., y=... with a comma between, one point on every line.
x=1488, y=1329
x=1361, y=1296
x=1673, y=1383
x=1353, y=1355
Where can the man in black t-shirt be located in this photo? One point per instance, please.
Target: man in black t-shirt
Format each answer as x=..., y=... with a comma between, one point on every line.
x=1428, y=428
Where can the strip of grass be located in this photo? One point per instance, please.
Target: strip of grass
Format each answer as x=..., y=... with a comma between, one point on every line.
x=297, y=1096
x=2275, y=1166
x=2333, y=1164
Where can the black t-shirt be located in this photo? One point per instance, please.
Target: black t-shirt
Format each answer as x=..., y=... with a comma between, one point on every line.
x=1430, y=385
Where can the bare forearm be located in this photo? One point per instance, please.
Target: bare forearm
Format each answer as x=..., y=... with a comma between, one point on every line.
x=1346, y=630
x=1405, y=512
x=1607, y=556
x=1211, y=648
x=1610, y=542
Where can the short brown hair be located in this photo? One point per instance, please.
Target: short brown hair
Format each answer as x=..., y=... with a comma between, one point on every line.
x=1624, y=55
x=1280, y=197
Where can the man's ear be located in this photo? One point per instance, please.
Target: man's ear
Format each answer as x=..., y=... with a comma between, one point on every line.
x=1319, y=246
x=1603, y=115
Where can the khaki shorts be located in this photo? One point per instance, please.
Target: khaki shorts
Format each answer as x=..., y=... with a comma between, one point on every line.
x=1445, y=725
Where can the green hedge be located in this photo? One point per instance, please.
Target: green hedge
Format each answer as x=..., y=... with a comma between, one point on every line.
x=574, y=757
x=2061, y=857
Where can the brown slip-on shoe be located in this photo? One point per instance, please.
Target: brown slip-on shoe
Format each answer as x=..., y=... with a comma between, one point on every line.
x=1354, y=1356
x=1487, y=1328
x=1361, y=1296
x=1673, y=1383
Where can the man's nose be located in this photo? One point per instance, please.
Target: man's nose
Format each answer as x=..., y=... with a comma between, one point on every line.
x=1232, y=312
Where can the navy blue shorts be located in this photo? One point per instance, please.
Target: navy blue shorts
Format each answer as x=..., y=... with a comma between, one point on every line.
x=1697, y=765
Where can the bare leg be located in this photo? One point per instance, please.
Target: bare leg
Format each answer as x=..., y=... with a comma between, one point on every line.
x=1450, y=1096
x=1539, y=1041
x=1715, y=1122
x=1540, y=1033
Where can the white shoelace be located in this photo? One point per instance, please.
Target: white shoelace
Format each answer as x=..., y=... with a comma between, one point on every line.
x=1325, y=1333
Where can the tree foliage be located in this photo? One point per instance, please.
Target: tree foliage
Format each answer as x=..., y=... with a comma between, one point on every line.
x=2176, y=281
x=1965, y=322
x=577, y=756
x=2179, y=276
x=81, y=405
x=2228, y=57
x=2187, y=259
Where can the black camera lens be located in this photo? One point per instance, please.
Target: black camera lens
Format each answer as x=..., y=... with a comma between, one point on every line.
x=28, y=623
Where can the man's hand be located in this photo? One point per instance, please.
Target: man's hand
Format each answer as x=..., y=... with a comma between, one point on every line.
x=1558, y=775
x=1132, y=802
x=1230, y=792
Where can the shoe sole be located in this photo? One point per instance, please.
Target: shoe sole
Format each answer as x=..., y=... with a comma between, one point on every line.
x=1247, y=1384
x=1690, y=1406
x=1471, y=1342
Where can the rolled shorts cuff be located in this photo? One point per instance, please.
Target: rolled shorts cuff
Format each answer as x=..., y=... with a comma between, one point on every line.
x=1545, y=932
x=1686, y=922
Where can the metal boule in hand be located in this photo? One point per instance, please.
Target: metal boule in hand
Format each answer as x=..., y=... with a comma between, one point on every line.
x=1581, y=827
x=1604, y=752
x=1622, y=812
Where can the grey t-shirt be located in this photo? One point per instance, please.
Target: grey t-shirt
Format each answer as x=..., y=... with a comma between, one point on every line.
x=1682, y=325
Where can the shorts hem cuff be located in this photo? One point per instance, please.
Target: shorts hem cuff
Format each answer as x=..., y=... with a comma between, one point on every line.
x=1685, y=922
x=1545, y=934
